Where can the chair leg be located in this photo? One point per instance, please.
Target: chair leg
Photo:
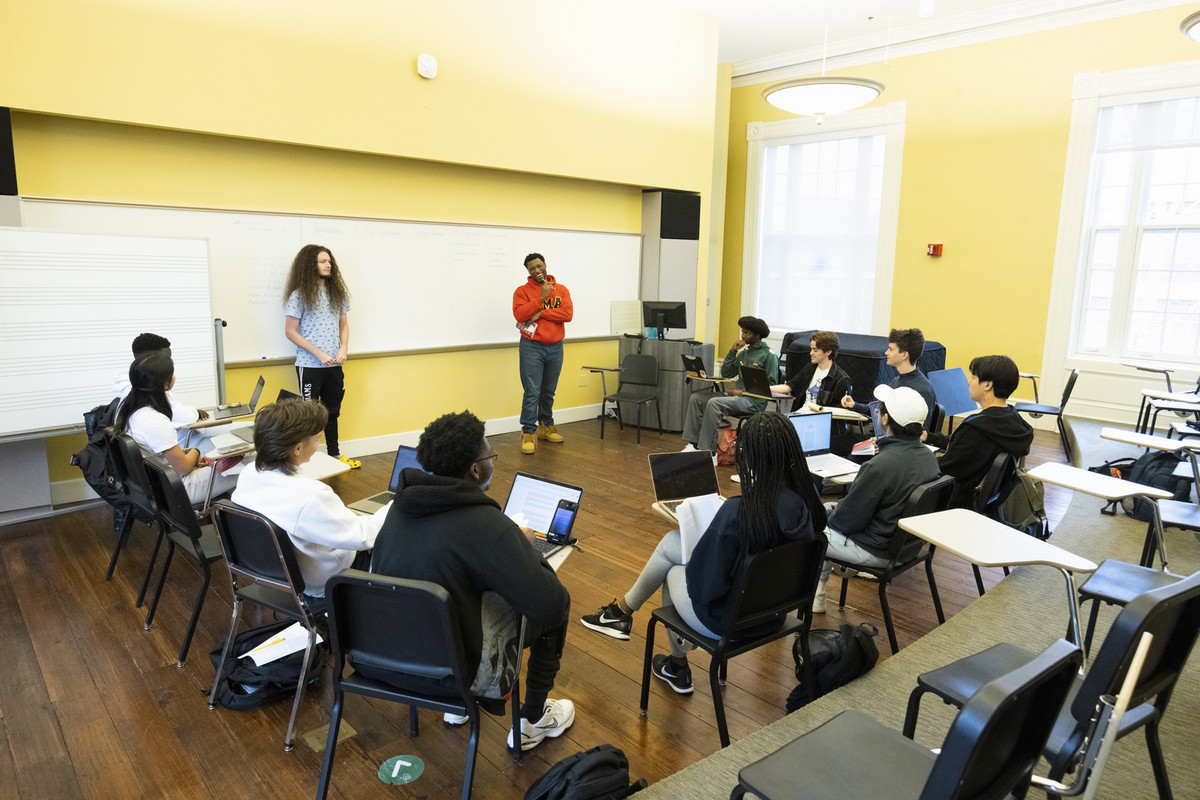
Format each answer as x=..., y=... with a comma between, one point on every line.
x=842, y=597
x=335, y=720
x=887, y=617
x=738, y=792
x=237, y=610
x=1091, y=626
x=603, y=414
x=714, y=670
x=122, y=537
x=978, y=579
x=646, y=665
x=289, y=741
x=472, y=748
x=196, y=609
x=162, y=532
x=913, y=711
x=162, y=579
x=933, y=590
x=1157, y=762
x=639, y=422
x=1062, y=434
x=414, y=722
x=620, y=417
x=658, y=415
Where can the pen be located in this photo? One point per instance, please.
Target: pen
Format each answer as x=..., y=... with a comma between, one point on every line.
x=268, y=644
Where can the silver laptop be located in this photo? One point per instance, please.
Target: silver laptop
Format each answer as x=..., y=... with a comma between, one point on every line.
x=678, y=476
x=756, y=382
x=548, y=507
x=405, y=457
x=240, y=409
x=815, y=431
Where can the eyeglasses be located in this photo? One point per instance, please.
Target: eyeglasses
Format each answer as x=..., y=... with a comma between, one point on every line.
x=485, y=458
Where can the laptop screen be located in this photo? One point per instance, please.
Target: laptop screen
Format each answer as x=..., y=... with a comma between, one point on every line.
x=814, y=431
x=405, y=457
x=533, y=501
x=875, y=405
x=680, y=475
x=258, y=387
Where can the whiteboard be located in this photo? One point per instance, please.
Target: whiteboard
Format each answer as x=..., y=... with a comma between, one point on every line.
x=413, y=285
x=70, y=307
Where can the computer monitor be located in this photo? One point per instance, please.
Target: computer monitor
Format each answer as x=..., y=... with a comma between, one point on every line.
x=664, y=314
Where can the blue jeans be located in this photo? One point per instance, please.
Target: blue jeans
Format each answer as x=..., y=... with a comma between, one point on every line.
x=540, y=367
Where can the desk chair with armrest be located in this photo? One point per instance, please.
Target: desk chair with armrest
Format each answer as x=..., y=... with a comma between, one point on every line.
x=1154, y=401
x=125, y=461
x=907, y=551
x=262, y=568
x=1171, y=614
x=773, y=583
x=989, y=752
x=636, y=370
x=1037, y=410
x=995, y=488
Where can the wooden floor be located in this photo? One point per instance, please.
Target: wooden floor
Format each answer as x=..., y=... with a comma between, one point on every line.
x=92, y=705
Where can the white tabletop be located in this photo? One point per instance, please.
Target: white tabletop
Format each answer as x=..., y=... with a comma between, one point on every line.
x=1095, y=484
x=1146, y=440
x=1182, y=398
x=988, y=543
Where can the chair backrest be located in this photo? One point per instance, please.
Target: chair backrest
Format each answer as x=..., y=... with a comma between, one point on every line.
x=997, y=484
x=1172, y=615
x=126, y=462
x=256, y=549
x=996, y=739
x=395, y=624
x=174, y=506
x=934, y=495
x=937, y=418
x=1067, y=389
x=639, y=370
x=774, y=582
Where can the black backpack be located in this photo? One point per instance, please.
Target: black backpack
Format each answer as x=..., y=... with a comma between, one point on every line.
x=1117, y=468
x=1154, y=469
x=838, y=657
x=601, y=773
x=93, y=462
x=244, y=686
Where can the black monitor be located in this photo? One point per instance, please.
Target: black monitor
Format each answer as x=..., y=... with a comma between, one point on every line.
x=664, y=315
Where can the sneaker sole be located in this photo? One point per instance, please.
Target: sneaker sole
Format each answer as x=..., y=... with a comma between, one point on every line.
x=606, y=631
x=553, y=733
x=669, y=682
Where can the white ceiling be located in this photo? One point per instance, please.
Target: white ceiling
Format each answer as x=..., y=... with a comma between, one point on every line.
x=761, y=35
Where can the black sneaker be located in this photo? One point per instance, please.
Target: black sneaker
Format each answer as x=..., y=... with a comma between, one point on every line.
x=679, y=680
x=610, y=620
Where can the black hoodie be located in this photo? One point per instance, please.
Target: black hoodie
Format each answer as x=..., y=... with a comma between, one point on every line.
x=447, y=531
x=975, y=443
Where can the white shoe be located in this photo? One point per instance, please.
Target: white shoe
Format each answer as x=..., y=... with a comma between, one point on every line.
x=844, y=572
x=556, y=718
x=714, y=459
x=455, y=719
x=819, y=604
x=688, y=448
x=735, y=478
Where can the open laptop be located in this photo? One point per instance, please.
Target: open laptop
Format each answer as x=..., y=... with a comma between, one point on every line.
x=548, y=507
x=240, y=409
x=694, y=366
x=246, y=432
x=755, y=381
x=405, y=457
x=678, y=476
x=815, y=431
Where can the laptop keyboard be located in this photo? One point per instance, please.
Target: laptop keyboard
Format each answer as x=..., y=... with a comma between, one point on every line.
x=671, y=505
x=545, y=547
x=383, y=498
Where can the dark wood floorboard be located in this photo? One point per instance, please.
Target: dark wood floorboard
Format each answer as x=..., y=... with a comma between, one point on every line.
x=92, y=705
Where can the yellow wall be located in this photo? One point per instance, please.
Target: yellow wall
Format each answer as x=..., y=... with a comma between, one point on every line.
x=984, y=158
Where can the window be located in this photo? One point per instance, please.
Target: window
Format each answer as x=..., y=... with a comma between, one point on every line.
x=1139, y=288
x=820, y=221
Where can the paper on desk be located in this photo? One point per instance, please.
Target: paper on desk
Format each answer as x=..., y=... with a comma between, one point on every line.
x=695, y=515
x=227, y=442
x=289, y=640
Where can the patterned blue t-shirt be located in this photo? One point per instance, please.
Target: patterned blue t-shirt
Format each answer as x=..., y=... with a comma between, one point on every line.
x=318, y=325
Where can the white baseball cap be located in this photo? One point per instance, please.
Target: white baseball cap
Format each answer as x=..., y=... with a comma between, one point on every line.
x=904, y=405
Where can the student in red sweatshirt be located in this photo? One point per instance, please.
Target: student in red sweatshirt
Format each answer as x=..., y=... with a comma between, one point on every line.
x=542, y=307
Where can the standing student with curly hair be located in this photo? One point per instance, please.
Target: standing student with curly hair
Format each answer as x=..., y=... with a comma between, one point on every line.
x=317, y=305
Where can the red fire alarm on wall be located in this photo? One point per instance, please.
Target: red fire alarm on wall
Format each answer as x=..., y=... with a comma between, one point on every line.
x=934, y=250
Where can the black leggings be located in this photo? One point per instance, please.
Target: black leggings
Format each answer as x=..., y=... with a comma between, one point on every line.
x=328, y=385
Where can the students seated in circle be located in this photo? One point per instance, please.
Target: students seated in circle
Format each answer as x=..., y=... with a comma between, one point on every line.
x=145, y=415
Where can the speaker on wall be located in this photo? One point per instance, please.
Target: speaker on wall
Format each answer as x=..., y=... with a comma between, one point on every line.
x=8, y=162
x=680, y=216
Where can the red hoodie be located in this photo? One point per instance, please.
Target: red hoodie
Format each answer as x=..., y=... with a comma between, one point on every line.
x=556, y=309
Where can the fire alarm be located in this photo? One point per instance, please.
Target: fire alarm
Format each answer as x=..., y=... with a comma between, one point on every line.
x=427, y=66
x=934, y=250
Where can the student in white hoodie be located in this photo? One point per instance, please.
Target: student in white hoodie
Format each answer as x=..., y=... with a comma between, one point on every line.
x=328, y=537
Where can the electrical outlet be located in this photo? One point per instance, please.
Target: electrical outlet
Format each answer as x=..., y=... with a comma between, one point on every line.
x=583, y=380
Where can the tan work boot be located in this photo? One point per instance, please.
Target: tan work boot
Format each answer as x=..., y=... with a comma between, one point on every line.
x=549, y=433
x=528, y=443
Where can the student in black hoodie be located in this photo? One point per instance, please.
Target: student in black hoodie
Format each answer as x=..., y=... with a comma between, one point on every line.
x=443, y=528
x=821, y=380
x=997, y=428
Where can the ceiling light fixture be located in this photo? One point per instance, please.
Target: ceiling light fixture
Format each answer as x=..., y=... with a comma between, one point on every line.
x=1191, y=27
x=818, y=97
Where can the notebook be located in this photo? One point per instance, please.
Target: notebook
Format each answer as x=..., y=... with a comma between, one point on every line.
x=405, y=457
x=815, y=431
x=678, y=476
x=546, y=506
x=694, y=366
x=755, y=381
x=240, y=409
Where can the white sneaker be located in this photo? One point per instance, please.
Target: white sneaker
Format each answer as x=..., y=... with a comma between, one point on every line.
x=556, y=718
x=688, y=448
x=735, y=478
x=819, y=604
x=455, y=719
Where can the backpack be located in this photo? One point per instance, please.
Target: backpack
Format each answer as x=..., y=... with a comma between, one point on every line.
x=1154, y=469
x=838, y=657
x=1117, y=468
x=244, y=686
x=1025, y=508
x=601, y=773
x=727, y=447
x=93, y=462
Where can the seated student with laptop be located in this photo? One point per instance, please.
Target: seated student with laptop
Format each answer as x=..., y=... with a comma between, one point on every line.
x=181, y=413
x=778, y=503
x=996, y=428
x=328, y=537
x=821, y=380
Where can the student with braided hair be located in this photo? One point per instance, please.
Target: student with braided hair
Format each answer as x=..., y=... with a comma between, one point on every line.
x=778, y=503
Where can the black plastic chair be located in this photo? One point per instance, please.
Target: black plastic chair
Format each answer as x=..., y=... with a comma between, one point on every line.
x=1037, y=410
x=937, y=418
x=1116, y=583
x=262, y=568
x=989, y=753
x=125, y=461
x=636, y=370
x=1170, y=613
x=774, y=583
x=995, y=488
x=180, y=527
x=363, y=631
x=907, y=551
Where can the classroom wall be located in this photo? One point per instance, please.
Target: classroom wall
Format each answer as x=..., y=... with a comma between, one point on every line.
x=545, y=115
x=984, y=158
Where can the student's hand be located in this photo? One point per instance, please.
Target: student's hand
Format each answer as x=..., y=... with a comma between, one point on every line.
x=924, y=435
x=203, y=415
x=324, y=358
x=735, y=393
x=534, y=318
x=547, y=287
x=530, y=534
x=738, y=345
x=847, y=402
x=340, y=358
